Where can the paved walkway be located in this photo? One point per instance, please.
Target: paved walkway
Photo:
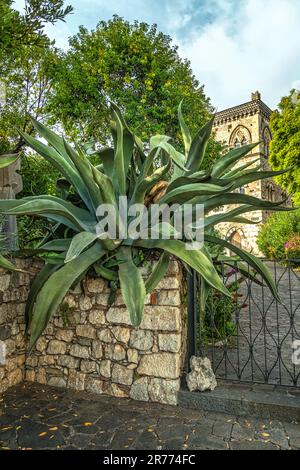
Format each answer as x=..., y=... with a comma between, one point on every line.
x=41, y=417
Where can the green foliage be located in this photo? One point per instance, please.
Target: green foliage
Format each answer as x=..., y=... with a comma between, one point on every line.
x=27, y=86
x=27, y=28
x=292, y=247
x=133, y=169
x=140, y=70
x=276, y=231
x=217, y=323
x=285, y=144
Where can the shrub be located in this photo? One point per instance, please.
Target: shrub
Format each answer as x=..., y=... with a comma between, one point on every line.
x=276, y=232
x=292, y=247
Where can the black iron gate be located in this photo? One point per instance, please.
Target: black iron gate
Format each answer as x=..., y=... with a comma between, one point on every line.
x=251, y=337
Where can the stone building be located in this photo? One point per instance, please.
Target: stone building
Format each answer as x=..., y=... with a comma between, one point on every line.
x=244, y=124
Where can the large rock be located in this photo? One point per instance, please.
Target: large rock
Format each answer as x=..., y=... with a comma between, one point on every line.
x=201, y=376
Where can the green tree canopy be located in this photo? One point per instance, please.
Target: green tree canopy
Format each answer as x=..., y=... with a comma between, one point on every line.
x=285, y=144
x=133, y=65
x=27, y=28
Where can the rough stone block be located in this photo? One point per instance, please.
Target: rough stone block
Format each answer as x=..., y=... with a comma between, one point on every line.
x=88, y=366
x=169, y=342
x=80, y=351
x=56, y=347
x=94, y=385
x=86, y=331
x=65, y=335
x=141, y=339
x=165, y=365
x=121, y=375
x=139, y=389
x=161, y=318
x=57, y=382
x=121, y=334
x=105, y=368
x=97, y=317
x=164, y=391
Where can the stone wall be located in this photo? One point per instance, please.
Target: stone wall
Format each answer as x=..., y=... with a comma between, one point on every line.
x=13, y=294
x=88, y=346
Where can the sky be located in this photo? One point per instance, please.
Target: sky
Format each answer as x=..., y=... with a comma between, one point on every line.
x=235, y=46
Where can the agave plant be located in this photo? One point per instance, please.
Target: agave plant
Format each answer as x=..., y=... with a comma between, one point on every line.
x=142, y=173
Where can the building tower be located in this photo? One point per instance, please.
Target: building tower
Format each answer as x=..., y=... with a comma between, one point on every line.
x=244, y=124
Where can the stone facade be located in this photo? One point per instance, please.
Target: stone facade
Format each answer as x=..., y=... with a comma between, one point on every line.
x=245, y=124
x=13, y=294
x=88, y=346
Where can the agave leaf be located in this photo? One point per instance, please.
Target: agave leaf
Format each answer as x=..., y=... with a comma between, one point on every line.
x=107, y=156
x=235, y=198
x=204, y=293
x=132, y=286
x=189, y=191
x=119, y=175
x=247, y=178
x=187, y=139
x=198, y=147
x=79, y=243
x=240, y=169
x=158, y=272
x=58, y=245
x=177, y=157
x=196, y=259
x=226, y=162
x=6, y=264
x=51, y=207
x=106, y=273
x=56, y=287
x=129, y=139
x=62, y=165
x=52, y=138
x=36, y=286
x=252, y=260
x=6, y=160
x=196, y=177
x=225, y=217
x=85, y=170
x=239, y=266
x=157, y=140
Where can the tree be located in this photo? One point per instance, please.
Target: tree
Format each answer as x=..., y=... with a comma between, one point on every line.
x=27, y=28
x=285, y=144
x=133, y=65
x=27, y=85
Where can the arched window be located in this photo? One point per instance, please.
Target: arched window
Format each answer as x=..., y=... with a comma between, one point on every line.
x=267, y=139
x=240, y=136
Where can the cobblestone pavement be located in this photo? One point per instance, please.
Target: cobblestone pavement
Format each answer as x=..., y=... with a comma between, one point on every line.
x=42, y=417
x=263, y=325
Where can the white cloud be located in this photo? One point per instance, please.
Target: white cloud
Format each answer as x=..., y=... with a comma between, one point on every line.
x=235, y=46
x=257, y=47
